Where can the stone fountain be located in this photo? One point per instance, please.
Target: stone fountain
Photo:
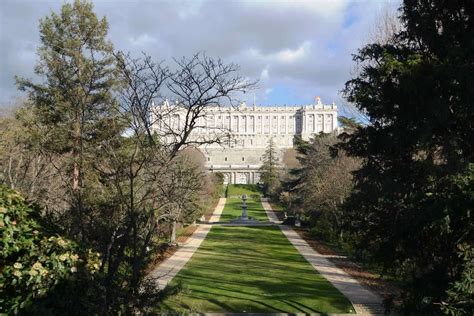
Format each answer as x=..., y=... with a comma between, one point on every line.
x=244, y=216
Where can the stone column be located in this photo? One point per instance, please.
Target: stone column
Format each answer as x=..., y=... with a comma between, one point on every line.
x=303, y=123
x=322, y=122
x=278, y=124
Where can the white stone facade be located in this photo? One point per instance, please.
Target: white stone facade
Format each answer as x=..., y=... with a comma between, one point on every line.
x=239, y=158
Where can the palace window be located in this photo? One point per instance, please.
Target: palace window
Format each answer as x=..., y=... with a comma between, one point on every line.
x=243, y=159
x=225, y=159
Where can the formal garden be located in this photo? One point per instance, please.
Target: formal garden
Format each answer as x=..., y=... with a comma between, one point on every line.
x=102, y=181
x=251, y=269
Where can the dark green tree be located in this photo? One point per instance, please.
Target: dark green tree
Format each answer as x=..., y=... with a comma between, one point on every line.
x=75, y=99
x=412, y=204
x=269, y=169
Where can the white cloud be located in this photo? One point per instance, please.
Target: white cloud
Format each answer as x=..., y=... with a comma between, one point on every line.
x=142, y=40
x=264, y=75
x=301, y=46
x=324, y=8
x=286, y=55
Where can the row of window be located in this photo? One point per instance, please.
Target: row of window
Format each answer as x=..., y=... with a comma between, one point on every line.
x=243, y=159
x=258, y=117
x=225, y=158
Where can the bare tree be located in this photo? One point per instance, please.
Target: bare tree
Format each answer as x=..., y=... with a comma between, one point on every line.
x=151, y=182
x=198, y=84
x=24, y=166
x=387, y=25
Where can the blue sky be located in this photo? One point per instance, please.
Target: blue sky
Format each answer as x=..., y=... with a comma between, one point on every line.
x=296, y=49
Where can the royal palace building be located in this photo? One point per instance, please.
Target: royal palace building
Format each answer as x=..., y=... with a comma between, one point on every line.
x=239, y=157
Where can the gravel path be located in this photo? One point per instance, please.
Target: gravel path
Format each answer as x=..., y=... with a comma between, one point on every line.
x=364, y=301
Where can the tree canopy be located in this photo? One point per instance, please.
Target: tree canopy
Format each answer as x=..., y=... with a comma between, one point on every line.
x=412, y=204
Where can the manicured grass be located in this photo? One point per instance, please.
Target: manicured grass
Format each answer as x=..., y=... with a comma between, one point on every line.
x=233, y=210
x=252, y=269
x=239, y=189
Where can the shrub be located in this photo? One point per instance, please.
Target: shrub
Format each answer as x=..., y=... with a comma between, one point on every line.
x=33, y=262
x=322, y=230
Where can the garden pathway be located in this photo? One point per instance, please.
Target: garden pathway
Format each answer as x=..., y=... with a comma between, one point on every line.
x=364, y=301
x=167, y=270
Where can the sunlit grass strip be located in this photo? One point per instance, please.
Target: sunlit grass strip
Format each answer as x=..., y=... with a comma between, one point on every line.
x=252, y=269
x=239, y=189
x=233, y=210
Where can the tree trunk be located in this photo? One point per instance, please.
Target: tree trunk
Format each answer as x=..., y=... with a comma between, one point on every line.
x=173, y=232
x=75, y=177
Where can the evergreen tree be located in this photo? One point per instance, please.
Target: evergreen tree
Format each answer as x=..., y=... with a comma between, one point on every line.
x=412, y=205
x=269, y=169
x=75, y=100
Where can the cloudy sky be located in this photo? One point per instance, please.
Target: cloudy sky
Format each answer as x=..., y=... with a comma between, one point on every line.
x=296, y=49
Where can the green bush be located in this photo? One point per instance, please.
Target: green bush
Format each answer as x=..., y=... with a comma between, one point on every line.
x=460, y=296
x=322, y=230
x=33, y=262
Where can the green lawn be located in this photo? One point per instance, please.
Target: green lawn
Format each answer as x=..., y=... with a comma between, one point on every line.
x=239, y=189
x=233, y=210
x=251, y=269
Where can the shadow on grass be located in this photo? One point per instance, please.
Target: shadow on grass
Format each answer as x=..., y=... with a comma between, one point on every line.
x=255, y=269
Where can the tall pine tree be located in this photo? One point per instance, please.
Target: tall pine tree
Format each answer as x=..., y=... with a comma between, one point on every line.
x=75, y=99
x=269, y=169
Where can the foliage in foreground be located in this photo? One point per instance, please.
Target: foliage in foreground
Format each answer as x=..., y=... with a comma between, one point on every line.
x=34, y=261
x=411, y=209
